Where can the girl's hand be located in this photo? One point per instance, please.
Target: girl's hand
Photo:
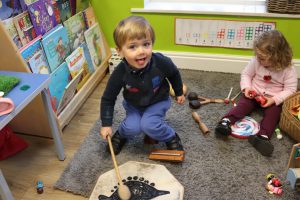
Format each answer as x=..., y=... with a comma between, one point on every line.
x=105, y=131
x=270, y=101
x=247, y=93
x=180, y=99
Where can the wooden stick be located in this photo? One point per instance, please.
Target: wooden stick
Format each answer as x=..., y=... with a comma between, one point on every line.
x=124, y=191
x=202, y=126
x=227, y=99
x=238, y=94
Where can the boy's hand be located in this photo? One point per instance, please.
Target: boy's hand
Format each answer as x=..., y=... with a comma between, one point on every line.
x=247, y=93
x=180, y=99
x=105, y=131
x=270, y=101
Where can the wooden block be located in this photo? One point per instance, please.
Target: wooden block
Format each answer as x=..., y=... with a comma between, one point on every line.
x=167, y=155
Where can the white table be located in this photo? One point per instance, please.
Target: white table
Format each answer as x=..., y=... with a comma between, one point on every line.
x=38, y=83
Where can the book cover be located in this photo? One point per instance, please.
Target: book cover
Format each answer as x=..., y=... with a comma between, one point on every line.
x=89, y=17
x=81, y=5
x=42, y=16
x=56, y=46
x=24, y=27
x=76, y=61
x=9, y=8
x=10, y=28
x=69, y=92
x=24, y=4
x=59, y=79
x=56, y=11
x=73, y=7
x=88, y=57
x=64, y=9
x=35, y=57
x=95, y=43
x=75, y=28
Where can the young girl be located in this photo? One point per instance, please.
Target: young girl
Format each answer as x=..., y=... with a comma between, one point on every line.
x=143, y=76
x=266, y=82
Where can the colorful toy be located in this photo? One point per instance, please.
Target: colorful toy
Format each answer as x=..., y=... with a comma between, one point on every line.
x=258, y=97
x=274, y=185
x=39, y=187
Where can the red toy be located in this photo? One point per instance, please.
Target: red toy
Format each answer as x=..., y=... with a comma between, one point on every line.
x=274, y=185
x=258, y=97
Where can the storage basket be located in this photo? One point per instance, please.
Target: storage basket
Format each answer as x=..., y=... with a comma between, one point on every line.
x=288, y=122
x=284, y=6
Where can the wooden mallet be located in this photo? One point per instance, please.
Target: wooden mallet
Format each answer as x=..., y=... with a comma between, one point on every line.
x=123, y=192
x=202, y=126
x=227, y=100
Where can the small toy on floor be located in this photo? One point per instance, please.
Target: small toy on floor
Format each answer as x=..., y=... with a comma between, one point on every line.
x=39, y=187
x=278, y=134
x=273, y=185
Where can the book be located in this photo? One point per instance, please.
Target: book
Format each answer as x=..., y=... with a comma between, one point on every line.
x=10, y=28
x=88, y=57
x=35, y=57
x=89, y=17
x=24, y=27
x=73, y=7
x=56, y=46
x=42, y=16
x=59, y=79
x=95, y=43
x=81, y=5
x=9, y=8
x=69, y=92
x=56, y=11
x=76, y=61
x=75, y=28
x=64, y=9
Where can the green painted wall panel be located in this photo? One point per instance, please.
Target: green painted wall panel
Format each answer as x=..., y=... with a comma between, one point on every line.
x=109, y=13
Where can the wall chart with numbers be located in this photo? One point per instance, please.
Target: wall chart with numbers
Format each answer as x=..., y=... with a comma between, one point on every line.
x=220, y=33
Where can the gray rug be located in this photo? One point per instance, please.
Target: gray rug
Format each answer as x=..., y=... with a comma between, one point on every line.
x=214, y=168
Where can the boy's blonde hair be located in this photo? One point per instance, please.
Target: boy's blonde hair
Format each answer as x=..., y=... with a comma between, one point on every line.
x=133, y=27
x=274, y=45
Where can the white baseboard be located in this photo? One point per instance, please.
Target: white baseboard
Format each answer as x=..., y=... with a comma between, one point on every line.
x=213, y=62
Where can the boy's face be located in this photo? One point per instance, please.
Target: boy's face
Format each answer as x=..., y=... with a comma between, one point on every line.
x=137, y=52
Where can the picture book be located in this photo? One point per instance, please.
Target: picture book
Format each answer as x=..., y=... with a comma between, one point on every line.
x=42, y=16
x=56, y=46
x=76, y=61
x=95, y=43
x=69, y=92
x=24, y=27
x=75, y=28
x=9, y=8
x=10, y=28
x=64, y=9
x=89, y=17
x=81, y=5
x=56, y=11
x=35, y=57
x=59, y=79
x=88, y=57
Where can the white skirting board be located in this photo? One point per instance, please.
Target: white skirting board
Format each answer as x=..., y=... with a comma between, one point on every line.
x=212, y=62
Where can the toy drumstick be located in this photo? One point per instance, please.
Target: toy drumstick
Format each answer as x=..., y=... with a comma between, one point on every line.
x=227, y=100
x=202, y=126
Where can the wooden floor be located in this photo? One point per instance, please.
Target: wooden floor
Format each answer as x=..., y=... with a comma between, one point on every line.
x=39, y=161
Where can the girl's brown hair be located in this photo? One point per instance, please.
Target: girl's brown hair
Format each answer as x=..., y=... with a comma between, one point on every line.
x=274, y=45
x=133, y=27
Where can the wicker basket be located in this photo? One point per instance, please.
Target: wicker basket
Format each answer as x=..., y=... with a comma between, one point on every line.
x=288, y=122
x=284, y=6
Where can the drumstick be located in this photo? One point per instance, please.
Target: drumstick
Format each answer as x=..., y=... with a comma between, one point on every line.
x=227, y=100
x=124, y=192
x=202, y=126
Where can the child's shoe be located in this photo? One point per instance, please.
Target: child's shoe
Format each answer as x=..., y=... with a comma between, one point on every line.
x=117, y=143
x=261, y=144
x=175, y=143
x=223, y=127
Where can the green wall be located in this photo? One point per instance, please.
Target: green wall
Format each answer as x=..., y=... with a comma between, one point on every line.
x=109, y=13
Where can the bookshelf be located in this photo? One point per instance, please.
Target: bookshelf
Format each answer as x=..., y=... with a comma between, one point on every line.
x=33, y=119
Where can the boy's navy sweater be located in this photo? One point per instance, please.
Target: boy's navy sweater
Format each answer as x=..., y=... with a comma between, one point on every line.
x=141, y=88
